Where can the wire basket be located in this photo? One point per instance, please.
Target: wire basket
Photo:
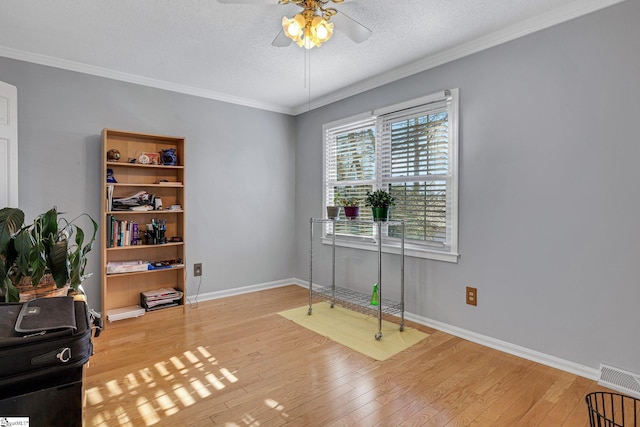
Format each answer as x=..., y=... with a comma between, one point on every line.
x=612, y=410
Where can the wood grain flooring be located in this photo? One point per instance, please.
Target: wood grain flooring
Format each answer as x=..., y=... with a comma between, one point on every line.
x=236, y=362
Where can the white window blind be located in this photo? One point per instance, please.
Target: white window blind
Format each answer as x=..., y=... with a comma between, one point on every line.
x=414, y=160
x=350, y=168
x=410, y=150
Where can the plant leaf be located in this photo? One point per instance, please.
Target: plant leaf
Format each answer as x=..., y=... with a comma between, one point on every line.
x=89, y=245
x=38, y=262
x=23, y=245
x=11, y=220
x=49, y=221
x=3, y=274
x=11, y=292
x=77, y=258
x=58, y=264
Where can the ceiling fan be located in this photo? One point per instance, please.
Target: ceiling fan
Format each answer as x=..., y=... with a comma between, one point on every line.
x=311, y=27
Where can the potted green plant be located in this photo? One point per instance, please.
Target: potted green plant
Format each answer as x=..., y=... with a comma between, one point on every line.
x=334, y=211
x=351, y=207
x=45, y=248
x=380, y=202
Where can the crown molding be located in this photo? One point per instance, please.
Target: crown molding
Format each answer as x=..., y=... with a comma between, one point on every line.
x=573, y=10
x=136, y=79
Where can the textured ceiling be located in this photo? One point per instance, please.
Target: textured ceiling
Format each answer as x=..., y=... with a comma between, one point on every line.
x=223, y=51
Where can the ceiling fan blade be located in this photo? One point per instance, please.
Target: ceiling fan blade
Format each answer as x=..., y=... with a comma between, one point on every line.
x=352, y=28
x=281, y=40
x=249, y=1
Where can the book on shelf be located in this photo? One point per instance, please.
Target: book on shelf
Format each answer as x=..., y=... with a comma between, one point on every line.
x=110, y=197
x=121, y=232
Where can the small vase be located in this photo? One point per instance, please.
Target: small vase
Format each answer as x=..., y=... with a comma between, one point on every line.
x=380, y=214
x=333, y=212
x=351, y=212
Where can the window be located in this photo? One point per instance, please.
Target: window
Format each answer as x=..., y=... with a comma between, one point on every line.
x=410, y=150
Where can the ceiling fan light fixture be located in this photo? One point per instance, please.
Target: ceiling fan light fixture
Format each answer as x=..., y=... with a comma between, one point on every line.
x=310, y=27
x=308, y=32
x=321, y=30
x=293, y=28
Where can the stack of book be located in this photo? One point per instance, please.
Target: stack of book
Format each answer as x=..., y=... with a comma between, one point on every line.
x=122, y=232
x=160, y=298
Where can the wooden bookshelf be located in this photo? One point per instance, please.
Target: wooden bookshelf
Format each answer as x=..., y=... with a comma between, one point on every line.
x=160, y=180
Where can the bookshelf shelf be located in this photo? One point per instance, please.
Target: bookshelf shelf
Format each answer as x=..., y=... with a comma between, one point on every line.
x=138, y=165
x=168, y=185
x=153, y=213
x=166, y=182
x=141, y=247
x=137, y=273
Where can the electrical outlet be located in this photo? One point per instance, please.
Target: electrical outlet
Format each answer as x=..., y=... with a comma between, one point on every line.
x=472, y=296
x=197, y=269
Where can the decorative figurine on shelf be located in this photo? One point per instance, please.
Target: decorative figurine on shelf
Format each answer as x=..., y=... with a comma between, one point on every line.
x=113, y=155
x=168, y=157
x=110, y=177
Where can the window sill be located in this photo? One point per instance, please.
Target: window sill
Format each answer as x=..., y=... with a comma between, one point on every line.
x=389, y=248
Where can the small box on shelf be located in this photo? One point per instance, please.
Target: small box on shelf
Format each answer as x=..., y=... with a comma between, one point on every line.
x=124, y=313
x=116, y=267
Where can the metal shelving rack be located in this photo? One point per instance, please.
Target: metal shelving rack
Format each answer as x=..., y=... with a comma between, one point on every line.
x=352, y=299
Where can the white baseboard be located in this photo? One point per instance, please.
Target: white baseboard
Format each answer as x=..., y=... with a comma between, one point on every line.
x=507, y=347
x=243, y=290
x=487, y=341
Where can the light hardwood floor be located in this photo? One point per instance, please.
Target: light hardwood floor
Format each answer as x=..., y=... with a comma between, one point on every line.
x=236, y=362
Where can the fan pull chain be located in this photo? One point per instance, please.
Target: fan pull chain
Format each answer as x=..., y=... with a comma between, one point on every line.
x=309, y=77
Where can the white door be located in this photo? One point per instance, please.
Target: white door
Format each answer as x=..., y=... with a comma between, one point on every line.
x=8, y=145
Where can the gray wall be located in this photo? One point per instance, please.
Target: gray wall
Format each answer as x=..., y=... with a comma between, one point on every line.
x=240, y=167
x=549, y=204
x=549, y=200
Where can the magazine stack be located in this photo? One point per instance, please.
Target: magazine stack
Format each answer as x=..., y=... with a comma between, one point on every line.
x=160, y=298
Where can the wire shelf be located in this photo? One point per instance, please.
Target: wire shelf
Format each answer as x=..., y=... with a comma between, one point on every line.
x=356, y=301
x=349, y=298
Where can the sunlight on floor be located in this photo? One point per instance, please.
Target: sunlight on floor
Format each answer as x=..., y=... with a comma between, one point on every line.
x=178, y=382
x=275, y=405
x=250, y=421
